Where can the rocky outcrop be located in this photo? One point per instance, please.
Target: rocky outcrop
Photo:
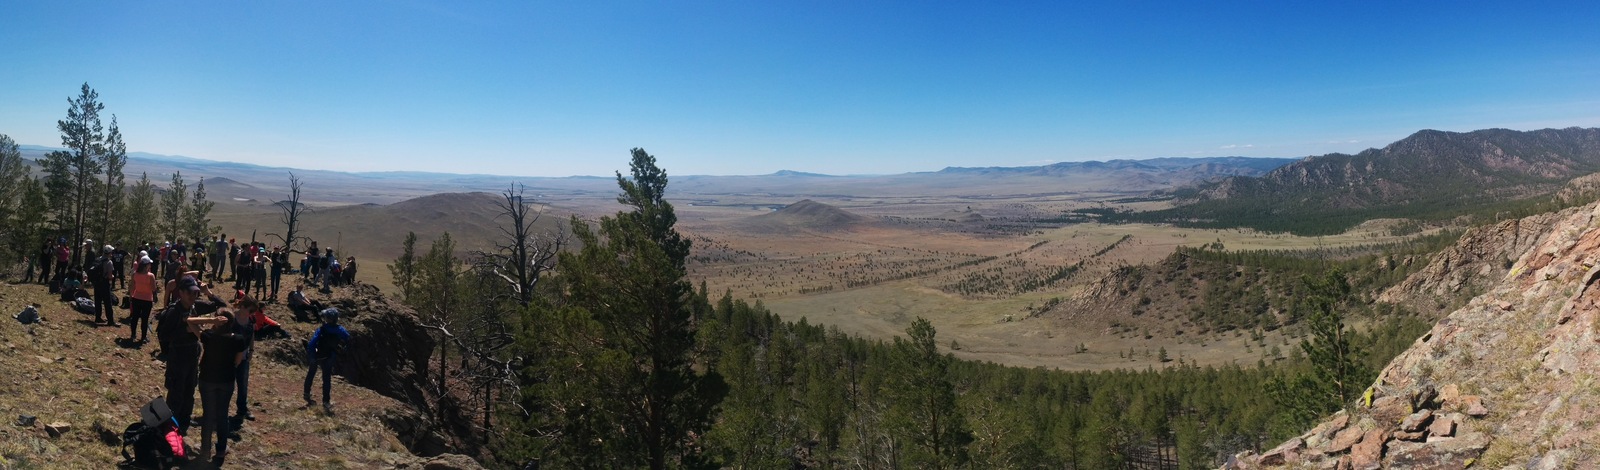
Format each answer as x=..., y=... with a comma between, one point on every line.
x=1478, y=260
x=1507, y=380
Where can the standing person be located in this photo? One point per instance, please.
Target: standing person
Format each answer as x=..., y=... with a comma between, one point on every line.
x=350, y=271
x=242, y=269
x=244, y=326
x=260, y=275
x=182, y=346
x=233, y=258
x=322, y=351
x=102, y=274
x=280, y=258
x=328, y=261
x=46, y=255
x=313, y=261
x=119, y=259
x=224, y=352
x=143, y=292
x=63, y=257
x=33, y=260
x=218, y=259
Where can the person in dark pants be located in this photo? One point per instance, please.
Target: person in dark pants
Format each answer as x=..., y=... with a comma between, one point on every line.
x=119, y=259
x=46, y=255
x=224, y=351
x=321, y=352
x=63, y=257
x=182, y=346
x=102, y=276
x=280, y=260
x=143, y=293
x=244, y=326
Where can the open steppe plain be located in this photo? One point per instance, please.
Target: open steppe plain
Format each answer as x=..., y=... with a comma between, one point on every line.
x=987, y=270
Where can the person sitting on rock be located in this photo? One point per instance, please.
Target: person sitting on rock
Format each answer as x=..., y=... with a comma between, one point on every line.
x=304, y=309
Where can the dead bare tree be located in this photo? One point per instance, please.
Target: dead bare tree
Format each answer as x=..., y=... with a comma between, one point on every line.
x=290, y=212
x=522, y=256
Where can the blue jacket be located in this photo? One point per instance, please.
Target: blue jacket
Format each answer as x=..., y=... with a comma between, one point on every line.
x=315, y=349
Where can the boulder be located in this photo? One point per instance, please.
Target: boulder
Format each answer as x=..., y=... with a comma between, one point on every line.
x=1388, y=411
x=1449, y=394
x=1473, y=406
x=1454, y=453
x=1417, y=421
x=1343, y=440
x=1368, y=454
x=58, y=428
x=1443, y=426
x=1283, y=454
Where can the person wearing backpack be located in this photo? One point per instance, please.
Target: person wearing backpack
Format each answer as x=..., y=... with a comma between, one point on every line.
x=326, y=344
x=143, y=292
x=219, y=366
x=101, y=275
x=182, y=346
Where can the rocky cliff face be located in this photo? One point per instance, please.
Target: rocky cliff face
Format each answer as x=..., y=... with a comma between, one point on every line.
x=1507, y=381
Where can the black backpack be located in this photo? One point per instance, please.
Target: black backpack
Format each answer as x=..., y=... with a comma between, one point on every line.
x=329, y=342
x=142, y=443
x=97, y=272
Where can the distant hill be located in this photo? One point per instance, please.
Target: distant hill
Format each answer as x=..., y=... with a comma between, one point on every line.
x=1198, y=167
x=808, y=215
x=374, y=232
x=1428, y=175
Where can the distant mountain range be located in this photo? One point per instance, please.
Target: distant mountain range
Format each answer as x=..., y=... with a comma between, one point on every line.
x=1429, y=175
x=1117, y=177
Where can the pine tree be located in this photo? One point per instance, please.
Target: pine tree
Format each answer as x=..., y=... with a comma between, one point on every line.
x=72, y=180
x=174, y=213
x=197, y=218
x=13, y=185
x=923, y=407
x=139, y=212
x=638, y=398
x=404, y=268
x=116, y=157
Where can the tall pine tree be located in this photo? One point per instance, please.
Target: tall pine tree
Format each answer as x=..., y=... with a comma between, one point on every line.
x=636, y=397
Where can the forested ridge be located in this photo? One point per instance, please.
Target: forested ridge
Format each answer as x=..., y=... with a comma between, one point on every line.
x=1430, y=175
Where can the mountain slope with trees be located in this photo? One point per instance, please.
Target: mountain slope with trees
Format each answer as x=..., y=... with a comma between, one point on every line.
x=1428, y=175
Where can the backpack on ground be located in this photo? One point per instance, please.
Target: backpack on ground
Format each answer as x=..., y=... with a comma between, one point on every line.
x=153, y=441
x=84, y=305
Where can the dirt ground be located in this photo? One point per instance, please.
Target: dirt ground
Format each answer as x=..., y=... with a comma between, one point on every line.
x=68, y=370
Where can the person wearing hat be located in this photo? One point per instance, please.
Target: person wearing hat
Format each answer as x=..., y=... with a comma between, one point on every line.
x=143, y=291
x=321, y=352
x=182, y=346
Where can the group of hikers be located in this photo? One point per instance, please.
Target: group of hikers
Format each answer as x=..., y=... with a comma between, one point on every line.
x=206, y=341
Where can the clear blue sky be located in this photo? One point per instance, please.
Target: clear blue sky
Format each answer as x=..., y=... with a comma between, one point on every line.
x=751, y=87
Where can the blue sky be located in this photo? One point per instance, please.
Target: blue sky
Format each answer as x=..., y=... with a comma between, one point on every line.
x=752, y=87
